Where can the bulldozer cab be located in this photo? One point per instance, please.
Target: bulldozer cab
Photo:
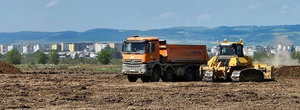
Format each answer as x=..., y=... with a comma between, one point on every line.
x=231, y=48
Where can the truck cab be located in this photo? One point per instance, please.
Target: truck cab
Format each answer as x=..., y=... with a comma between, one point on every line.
x=140, y=54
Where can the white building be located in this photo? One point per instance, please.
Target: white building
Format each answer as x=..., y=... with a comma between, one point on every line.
x=93, y=55
x=100, y=46
x=36, y=47
x=42, y=47
x=64, y=47
x=117, y=46
x=282, y=47
x=26, y=49
x=15, y=47
x=10, y=47
x=214, y=50
x=249, y=51
x=1, y=49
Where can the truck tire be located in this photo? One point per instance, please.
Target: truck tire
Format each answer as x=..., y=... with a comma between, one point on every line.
x=189, y=74
x=169, y=75
x=145, y=78
x=197, y=75
x=155, y=74
x=162, y=59
x=132, y=78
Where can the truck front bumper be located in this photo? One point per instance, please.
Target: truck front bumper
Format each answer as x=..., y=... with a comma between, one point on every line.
x=135, y=69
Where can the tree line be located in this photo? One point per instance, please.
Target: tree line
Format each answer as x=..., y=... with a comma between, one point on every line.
x=106, y=56
x=260, y=57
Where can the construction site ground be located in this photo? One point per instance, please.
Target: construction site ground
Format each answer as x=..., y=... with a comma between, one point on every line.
x=88, y=90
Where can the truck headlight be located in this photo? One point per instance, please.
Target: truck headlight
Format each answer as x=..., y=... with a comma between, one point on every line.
x=144, y=65
x=143, y=70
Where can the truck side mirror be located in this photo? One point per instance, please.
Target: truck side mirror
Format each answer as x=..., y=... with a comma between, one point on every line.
x=123, y=44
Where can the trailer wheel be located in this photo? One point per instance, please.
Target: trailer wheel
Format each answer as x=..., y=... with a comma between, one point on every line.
x=132, y=78
x=189, y=74
x=162, y=59
x=169, y=75
x=197, y=75
x=145, y=78
x=155, y=74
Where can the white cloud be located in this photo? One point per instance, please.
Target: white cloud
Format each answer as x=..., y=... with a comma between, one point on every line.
x=52, y=3
x=252, y=7
x=284, y=8
x=163, y=16
x=204, y=17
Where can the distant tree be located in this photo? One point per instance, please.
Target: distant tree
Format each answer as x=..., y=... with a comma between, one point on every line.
x=116, y=54
x=41, y=57
x=104, y=56
x=27, y=58
x=261, y=57
x=3, y=57
x=53, y=57
x=32, y=63
x=13, y=57
x=295, y=55
x=76, y=56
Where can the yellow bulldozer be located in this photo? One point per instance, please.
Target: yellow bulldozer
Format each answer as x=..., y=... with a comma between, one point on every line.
x=232, y=65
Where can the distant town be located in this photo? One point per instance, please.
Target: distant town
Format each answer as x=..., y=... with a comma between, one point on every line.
x=90, y=50
x=269, y=49
x=83, y=50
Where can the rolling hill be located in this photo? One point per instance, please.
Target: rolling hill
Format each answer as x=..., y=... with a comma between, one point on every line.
x=252, y=35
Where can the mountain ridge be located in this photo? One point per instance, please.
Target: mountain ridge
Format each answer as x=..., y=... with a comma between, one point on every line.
x=253, y=35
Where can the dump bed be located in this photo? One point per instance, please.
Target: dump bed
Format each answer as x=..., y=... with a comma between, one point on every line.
x=175, y=53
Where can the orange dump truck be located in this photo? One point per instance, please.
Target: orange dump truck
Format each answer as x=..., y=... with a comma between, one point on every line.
x=151, y=60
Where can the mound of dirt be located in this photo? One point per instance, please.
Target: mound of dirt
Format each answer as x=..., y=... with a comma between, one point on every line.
x=8, y=69
x=287, y=71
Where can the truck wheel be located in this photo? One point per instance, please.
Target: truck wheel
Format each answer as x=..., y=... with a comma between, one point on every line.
x=145, y=78
x=132, y=78
x=189, y=75
x=197, y=75
x=155, y=74
x=169, y=75
x=162, y=59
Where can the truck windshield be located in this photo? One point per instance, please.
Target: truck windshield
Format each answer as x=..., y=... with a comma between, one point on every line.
x=135, y=47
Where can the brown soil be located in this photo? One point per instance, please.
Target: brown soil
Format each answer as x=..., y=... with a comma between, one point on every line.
x=287, y=71
x=8, y=69
x=113, y=91
x=60, y=70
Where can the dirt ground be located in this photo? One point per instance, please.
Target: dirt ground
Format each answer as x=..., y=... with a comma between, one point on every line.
x=113, y=91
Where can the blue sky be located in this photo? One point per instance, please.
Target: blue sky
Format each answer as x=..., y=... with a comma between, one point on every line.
x=82, y=15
